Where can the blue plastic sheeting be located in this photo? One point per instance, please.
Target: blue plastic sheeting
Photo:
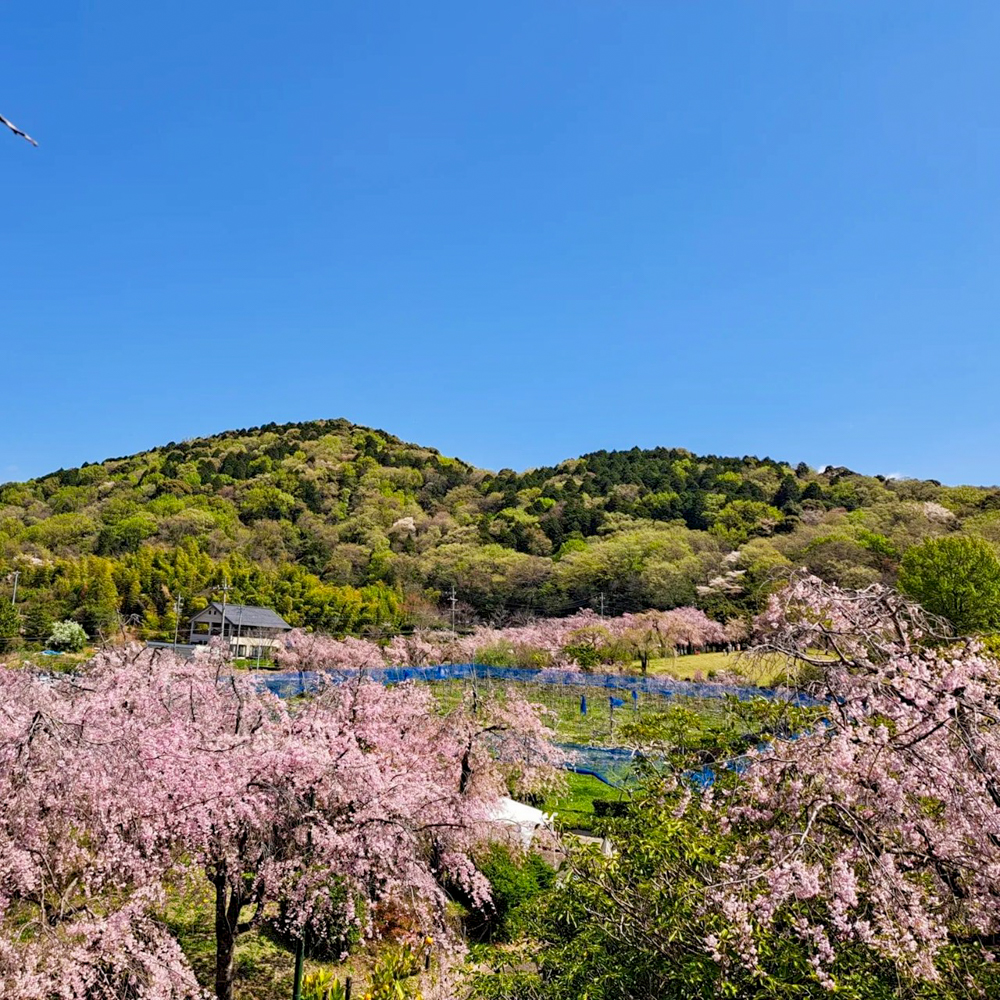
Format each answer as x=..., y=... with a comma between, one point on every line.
x=288, y=684
x=613, y=765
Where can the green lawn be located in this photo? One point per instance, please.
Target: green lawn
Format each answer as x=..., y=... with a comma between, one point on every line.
x=764, y=671
x=574, y=803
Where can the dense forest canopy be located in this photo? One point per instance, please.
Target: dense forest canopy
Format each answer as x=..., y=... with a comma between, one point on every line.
x=344, y=528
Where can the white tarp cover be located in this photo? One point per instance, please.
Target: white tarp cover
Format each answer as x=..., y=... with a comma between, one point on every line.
x=518, y=814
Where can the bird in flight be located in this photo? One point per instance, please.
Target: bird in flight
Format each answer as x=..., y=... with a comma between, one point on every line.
x=16, y=130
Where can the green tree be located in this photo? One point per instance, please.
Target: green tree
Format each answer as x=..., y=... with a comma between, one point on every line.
x=38, y=621
x=10, y=625
x=741, y=519
x=957, y=578
x=98, y=596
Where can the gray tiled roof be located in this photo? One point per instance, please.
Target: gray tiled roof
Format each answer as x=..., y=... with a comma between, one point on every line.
x=251, y=617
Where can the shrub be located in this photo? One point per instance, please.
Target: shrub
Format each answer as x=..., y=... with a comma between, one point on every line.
x=497, y=654
x=515, y=880
x=583, y=654
x=323, y=985
x=506, y=654
x=67, y=635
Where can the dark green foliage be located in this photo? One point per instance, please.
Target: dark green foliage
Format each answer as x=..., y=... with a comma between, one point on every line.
x=515, y=881
x=10, y=626
x=38, y=621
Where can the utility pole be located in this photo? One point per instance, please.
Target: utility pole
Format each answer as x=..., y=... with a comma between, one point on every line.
x=454, y=601
x=225, y=598
x=13, y=599
x=178, y=604
x=239, y=630
x=602, y=604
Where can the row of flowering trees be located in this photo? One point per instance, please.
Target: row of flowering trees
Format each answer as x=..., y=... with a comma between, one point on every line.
x=573, y=640
x=146, y=765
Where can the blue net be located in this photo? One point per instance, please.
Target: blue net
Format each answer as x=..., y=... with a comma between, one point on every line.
x=611, y=765
x=287, y=684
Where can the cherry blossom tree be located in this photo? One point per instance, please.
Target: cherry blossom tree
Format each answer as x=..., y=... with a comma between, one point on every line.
x=552, y=641
x=85, y=843
x=880, y=830
x=147, y=763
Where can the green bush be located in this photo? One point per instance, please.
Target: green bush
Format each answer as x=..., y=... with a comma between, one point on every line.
x=515, y=880
x=323, y=985
x=68, y=636
x=586, y=656
x=393, y=974
x=497, y=654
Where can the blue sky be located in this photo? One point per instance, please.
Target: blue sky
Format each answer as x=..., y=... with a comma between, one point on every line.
x=513, y=231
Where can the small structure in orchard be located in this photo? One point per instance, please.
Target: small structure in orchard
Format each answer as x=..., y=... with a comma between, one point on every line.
x=252, y=631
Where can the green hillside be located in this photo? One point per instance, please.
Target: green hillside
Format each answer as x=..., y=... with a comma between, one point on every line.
x=348, y=529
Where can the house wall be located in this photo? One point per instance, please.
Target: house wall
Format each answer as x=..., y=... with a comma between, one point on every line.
x=205, y=624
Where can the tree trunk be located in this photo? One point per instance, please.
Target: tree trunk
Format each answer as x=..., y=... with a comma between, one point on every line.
x=227, y=916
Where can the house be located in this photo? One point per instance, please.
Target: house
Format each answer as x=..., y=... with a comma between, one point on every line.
x=252, y=632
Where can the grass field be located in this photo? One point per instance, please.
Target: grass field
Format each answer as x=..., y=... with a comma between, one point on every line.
x=763, y=672
x=23, y=659
x=600, y=725
x=573, y=804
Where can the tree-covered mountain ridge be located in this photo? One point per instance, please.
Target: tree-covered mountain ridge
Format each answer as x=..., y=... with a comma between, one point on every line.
x=344, y=528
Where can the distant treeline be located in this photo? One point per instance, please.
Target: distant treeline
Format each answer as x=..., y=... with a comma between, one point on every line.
x=347, y=529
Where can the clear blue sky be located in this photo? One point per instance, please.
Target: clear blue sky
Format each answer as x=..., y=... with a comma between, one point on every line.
x=514, y=231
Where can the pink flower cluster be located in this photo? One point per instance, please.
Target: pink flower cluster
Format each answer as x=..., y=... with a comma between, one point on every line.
x=550, y=637
x=880, y=828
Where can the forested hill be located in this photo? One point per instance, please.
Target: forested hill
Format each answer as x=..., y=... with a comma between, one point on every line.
x=345, y=528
